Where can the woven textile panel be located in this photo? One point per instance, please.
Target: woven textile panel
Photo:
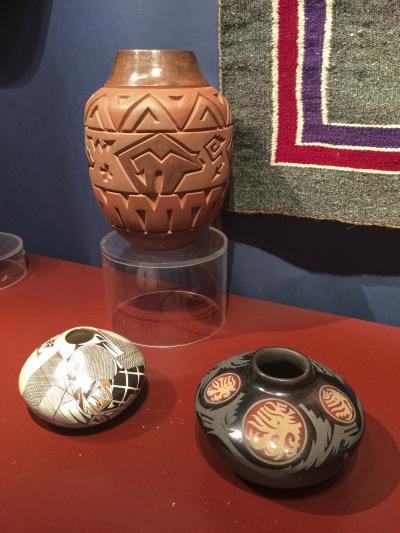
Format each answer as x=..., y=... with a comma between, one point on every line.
x=314, y=89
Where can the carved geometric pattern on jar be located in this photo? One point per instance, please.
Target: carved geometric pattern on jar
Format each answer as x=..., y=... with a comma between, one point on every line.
x=274, y=431
x=193, y=130
x=169, y=212
x=222, y=388
x=148, y=163
x=159, y=161
x=337, y=404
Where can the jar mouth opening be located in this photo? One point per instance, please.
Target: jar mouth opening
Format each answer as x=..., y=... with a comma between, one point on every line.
x=79, y=335
x=281, y=366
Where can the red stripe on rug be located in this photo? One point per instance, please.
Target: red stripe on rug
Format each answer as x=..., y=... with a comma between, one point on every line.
x=286, y=150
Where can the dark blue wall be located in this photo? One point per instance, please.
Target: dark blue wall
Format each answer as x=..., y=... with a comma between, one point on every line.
x=53, y=55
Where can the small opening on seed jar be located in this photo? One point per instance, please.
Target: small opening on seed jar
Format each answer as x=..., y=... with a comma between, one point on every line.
x=281, y=365
x=79, y=336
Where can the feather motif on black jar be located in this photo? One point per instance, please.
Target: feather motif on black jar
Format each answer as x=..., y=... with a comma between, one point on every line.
x=279, y=418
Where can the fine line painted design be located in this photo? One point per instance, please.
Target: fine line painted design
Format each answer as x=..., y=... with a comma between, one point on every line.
x=222, y=388
x=337, y=404
x=82, y=377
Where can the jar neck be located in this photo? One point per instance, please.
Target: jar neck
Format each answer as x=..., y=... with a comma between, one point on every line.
x=170, y=68
x=282, y=368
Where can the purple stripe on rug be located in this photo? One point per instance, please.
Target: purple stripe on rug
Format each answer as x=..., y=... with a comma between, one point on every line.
x=313, y=128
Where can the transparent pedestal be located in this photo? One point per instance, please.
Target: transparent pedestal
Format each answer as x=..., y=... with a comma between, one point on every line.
x=166, y=298
x=12, y=259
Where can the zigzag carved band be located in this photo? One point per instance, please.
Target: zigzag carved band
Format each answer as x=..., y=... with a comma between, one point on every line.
x=161, y=213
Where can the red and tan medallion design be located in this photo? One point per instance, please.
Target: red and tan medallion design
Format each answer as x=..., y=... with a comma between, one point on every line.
x=337, y=404
x=274, y=431
x=222, y=388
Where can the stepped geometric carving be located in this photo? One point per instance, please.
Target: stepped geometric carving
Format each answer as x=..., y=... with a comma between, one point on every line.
x=158, y=164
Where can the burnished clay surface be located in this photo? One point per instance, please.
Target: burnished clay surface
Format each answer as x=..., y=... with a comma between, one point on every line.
x=158, y=150
x=279, y=418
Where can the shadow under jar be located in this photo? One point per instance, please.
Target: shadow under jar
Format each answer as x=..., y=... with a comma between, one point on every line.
x=158, y=143
x=280, y=419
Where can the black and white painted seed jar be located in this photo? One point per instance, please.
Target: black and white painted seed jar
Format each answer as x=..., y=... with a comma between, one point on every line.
x=279, y=418
x=82, y=377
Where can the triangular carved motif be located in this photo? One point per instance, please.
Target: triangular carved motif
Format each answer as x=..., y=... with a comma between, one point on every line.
x=98, y=117
x=93, y=119
x=205, y=115
x=148, y=115
x=119, y=107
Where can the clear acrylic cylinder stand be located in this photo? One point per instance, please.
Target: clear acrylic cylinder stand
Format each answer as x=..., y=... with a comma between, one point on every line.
x=12, y=259
x=166, y=298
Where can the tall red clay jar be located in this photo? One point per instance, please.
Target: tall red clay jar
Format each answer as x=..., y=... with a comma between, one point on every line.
x=158, y=143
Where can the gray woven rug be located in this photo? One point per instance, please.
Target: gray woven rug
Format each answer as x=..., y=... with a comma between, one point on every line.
x=313, y=86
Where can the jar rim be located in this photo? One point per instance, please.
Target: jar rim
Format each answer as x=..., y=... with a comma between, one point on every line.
x=281, y=366
x=156, y=68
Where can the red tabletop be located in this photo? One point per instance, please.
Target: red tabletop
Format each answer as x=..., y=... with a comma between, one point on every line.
x=154, y=471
